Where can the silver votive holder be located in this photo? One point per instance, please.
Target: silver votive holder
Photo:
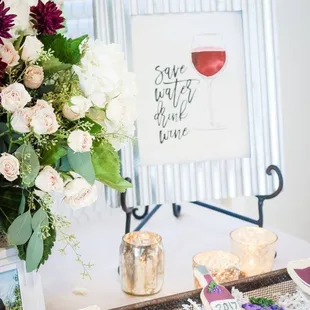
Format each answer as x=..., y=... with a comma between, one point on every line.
x=141, y=263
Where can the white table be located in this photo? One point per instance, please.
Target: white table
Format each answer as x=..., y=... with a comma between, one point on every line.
x=197, y=230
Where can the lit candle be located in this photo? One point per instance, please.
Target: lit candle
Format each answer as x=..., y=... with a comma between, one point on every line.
x=255, y=247
x=223, y=266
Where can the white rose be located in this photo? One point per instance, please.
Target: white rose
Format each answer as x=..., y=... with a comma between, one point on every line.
x=88, y=84
x=121, y=115
x=44, y=120
x=121, y=111
x=128, y=85
x=22, y=20
x=101, y=69
x=80, y=141
x=20, y=120
x=79, y=193
x=33, y=77
x=119, y=135
x=40, y=194
x=49, y=180
x=9, y=167
x=114, y=111
x=32, y=49
x=14, y=97
x=42, y=104
x=8, y=54
x=124, y=134
x=77, y=109
x=98, y=99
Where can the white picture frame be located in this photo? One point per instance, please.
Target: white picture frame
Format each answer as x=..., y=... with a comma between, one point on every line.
x=216, y=179
x=29, y=284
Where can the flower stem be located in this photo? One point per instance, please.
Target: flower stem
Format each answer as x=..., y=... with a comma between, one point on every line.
x=3, y=133
x=5, y=216
x=10, y=145
x=60, y=136
x=23, y=139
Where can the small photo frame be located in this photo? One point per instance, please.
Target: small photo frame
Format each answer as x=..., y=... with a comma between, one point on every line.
x=19, y=290
x=10, y=293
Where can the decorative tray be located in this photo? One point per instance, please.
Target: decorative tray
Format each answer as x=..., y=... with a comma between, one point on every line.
x=266, y=285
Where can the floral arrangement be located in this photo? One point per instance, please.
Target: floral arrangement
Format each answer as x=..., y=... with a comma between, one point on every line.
x=66, y=108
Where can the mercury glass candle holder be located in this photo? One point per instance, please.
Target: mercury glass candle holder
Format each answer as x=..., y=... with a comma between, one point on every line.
x=255, y=247
x=141, y=263
x=223, y=266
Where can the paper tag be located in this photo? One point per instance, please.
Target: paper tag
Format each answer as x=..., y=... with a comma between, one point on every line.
x=226, y=304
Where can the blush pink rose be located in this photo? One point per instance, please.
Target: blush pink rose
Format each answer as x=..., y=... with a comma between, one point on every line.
x=8, y=54
x=33, y=77
x=9, y=167
x=49, y=180
x=79, y=193
x=80, y=141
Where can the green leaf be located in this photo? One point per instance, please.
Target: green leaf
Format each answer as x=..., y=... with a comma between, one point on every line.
x=48, y=245
x=18, y=42
x=39, y=219
x=20, y=230
x=3, y=127
x=97, y=115
x=22, y=251
x=3, y=139
x=81, y=163
x=66, y=50
x=34, y=251
x=53, y=65
x=44, y=89
x=10, y=198
x=29, y=164
x=53, y=154
x=22, y=204
x=96, y=128
x=64, y=164
x=107, y=166
x=3, y=147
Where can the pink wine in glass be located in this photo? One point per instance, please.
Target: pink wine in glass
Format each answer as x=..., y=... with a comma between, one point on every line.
x=208, y=61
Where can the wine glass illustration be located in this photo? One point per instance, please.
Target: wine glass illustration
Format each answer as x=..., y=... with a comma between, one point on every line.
x=209, y=59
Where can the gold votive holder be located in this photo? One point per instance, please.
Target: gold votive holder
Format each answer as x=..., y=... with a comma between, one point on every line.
x=223, y=266
x=141, y=263
x=256, y=249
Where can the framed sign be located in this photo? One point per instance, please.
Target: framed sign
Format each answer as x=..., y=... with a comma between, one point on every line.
x=18, y=289
x=208, y=107
x=184, y=115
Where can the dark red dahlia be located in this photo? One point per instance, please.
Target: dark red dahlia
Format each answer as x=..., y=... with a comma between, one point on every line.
x=6, y=22
x=47, y=17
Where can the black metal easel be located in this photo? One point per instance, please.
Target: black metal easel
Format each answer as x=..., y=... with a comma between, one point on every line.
x=147, y=214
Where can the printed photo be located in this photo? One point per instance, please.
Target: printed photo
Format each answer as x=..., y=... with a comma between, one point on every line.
x=10, y=295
